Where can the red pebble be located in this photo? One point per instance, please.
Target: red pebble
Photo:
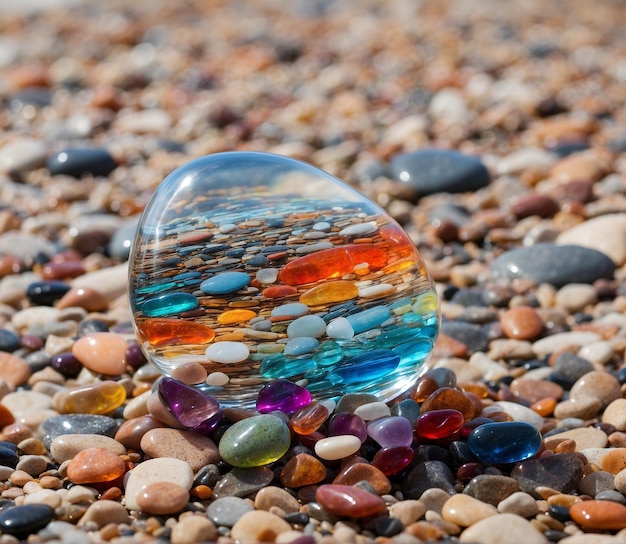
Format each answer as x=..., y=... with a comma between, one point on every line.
x=392, y=460
x=347, y=500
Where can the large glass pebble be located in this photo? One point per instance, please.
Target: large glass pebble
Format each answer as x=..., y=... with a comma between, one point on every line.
x=506, y=442
x=261, y=267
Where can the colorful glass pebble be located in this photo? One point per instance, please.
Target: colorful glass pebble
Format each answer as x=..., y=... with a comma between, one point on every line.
x=282, y=396
x=262, y=249
x=394, y=459
x=308, y=419
x=342, y=423
x=391, y=431
x=505, y=442
x=438, y=424
x=94, y=398
x=192, y=408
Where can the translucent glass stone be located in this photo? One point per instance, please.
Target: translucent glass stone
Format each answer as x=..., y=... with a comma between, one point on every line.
x=506, y=442
x=257, y=251
x=283, y=396
x=439, y=423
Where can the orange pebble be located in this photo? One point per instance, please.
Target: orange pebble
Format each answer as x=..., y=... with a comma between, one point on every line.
x=230, y=317
x=544, y=407
x=162, y=331
x=95, y=465
x=599, y=515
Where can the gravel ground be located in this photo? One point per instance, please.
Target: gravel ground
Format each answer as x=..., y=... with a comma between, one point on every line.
x=493, y=132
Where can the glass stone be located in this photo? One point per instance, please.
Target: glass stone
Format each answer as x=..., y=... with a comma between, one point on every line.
x=439, y=423
x=504, y=442
x=343, y=423
x=391, y=431
x=258, y=250
x=392, y=460
x=191, y=407
x=282, y=396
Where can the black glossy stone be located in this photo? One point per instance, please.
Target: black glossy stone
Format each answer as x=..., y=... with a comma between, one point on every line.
x=77, y=424
x=26, y=519
x=77, y=162
x=47, y=292
x=427, y=475
x=430, y=171
x=554, y=264
x=562, y=472
x=8, y=454
x=9, y=340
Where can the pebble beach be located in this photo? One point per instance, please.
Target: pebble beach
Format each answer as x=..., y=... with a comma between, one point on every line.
x=494, y=133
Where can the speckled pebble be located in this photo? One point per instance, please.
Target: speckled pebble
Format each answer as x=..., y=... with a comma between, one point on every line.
x=258, y=526
x=195, y=449
x=519, y=503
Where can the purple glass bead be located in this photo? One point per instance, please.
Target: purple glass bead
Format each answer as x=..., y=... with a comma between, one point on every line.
x=66, y=364
x=391, y=431
x=344, y=423
x=190, y=406
x=393, y=460
x=209, y=425
x=284, y=396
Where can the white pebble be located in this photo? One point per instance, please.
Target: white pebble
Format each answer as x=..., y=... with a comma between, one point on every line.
x=359, y=229
x=372, y=410
x=340, y=328
x=307, y=325
x=337, y=447
x=217, y=379
x=228, y=352
x=599, y=353
x=373, y=291
x=518, y=412
x=267, y=275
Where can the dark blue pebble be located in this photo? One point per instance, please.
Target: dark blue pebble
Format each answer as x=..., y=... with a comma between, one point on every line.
x=77, y=424
x=430, y=171
x=77, y=162
x=471, y=335
x=554, y=264
x=26, y=519
x=8, y=454
x=47, y=292
x=9, y=341
x=504, y=442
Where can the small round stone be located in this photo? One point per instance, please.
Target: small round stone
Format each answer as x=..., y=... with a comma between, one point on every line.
x=259, y=526
x=464, y=510
x=522, y=323
x=346, y=500
x=102, y=352
x=226, y=511
x=228, y=352
x=337, y=447
x=599, y=515
x=94, y=465
x=193, y=529
x=506, y=442
x=162, y=498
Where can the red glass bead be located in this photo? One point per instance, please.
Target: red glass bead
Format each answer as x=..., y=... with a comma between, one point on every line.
x=393, y=460
x=439, y=423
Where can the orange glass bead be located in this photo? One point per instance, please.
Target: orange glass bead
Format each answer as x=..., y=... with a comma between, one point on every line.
x=230, y=317
x=95, y=465
x=302, y=469
x=279, y=291
x=477, y=388
x=544, y=407
x=162, y=331
x=331, y=263
x=327, y=293
x=308, y=419
x=93, y=398
x=424, y=388
x=447, y=397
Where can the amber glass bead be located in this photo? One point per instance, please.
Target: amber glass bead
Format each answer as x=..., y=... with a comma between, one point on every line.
x=447, y=397
x=309, y=419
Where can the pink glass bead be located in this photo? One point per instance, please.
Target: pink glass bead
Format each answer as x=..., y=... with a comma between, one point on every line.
x=191, y=407
x=393, y=460
x=347, y=423
x=283, y=396
x=439, y=423
x=391, y=431
x=308, y=419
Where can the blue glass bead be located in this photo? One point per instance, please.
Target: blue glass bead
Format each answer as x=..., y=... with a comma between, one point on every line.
x=372, y=365
x=225, y=283
x=156, y=288
x=369, y=319
x=301, y=345
x=504, y=442
x=169, y=304
x=282, y=396
x=277, y=366
x=391, y=431
x=329, y=354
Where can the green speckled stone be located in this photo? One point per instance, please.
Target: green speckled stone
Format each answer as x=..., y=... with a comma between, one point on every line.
x=255, y=441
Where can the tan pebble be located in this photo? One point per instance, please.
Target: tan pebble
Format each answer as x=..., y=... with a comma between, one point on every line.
x=195, y=449
x=585, y=438
x=620, y=481
x=519, y=503
x=164, y=469
x=258, y=526
x=58, y=344
x=12, y=493
x=407, y=511
x=104, y=511
x=193, y=529
x=503, y=529
x=78, y=494
x=190, y=373
x=83, y=297
x=566, y=446
x=162, y=498
x=617, y=439
x=272, y=496
x=574, y=297
x=132, y=430
x=20, y=478
x=615, y=414
x=44, y=496
x=521, y=323
x=434, y=499
x=596, y=385
x=32, y=446
x=425, y=531
x=546, y=492
x=50, y=482
x=562, y=500
x=288, y=536
x=137, y=406
x=614, y=460
x=32, y=464
x=464, y=510
x=158, y=410
x=102, y=352
x=583, y=408
x=67, y=446
x=48, y=374
x=13, y=369
x=536, y=390
x=577, y=166
x=16, y=433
